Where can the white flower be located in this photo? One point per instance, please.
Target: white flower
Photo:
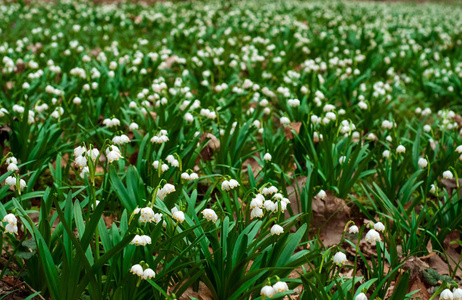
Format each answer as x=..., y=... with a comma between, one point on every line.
x=177, y=215
x=267, y=157
x=331, y=116
x=459, y=149
x=193, y=176
x=142, y=240
x=96, y=201
x=77, y=100
x=113, y=153
x=284, y=121
x=157, y=218
x=165, y=190
x=81, y=161
x=175, y=163
x=145, y=240
x=225, y=185
x=233, y=183
x=93, y=154
x=293, y=102
x=387, y=124
x=427, y=128
x=401, y=149
x=362, y=105
x=133, y=126
x=280, y=287
x=146, y=212
x=79, y=151
x=136, y=240
x=210, y=215
x=321, y=194
x=267, y=291
x=120, y=140
x=386, y=154
x=276, y=229
x=22, y=184
x=361, y=296
x=185, y=176
x=18, y=108
x=11, y=219
x=432, y=188
x=12, y=167
x=3, y=111
x=148, y=274
x=137, y=270
x=12, y=160
x=342, y=159
x=372, y=236
x=257, y=212
x=189, y=117
x=269, y=190
x=10, y=180
x=256, y=202
x=422, y=162
x=448, y=174
x=11, y=228
x=340, y=258
x=446, y=295
x=353, y=229
x=379, y=226
x=270, y=205
x=457, y=294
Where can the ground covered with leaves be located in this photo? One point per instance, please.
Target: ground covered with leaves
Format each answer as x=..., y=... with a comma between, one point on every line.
x=298, y=150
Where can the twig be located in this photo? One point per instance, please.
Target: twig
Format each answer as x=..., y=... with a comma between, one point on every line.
x=34, y=291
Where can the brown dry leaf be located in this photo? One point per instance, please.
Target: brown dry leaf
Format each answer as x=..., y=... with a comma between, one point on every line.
x=458, y=119
x=153, y=115
x=417, y=284
x=202, y=294
x=169, y=61
x=450, y=184
x=330, y=213
x=10, y=84
x=108, y=220
x=95, y=52
x=138, y=19
x=295, y=126
x=416, y=265
x=212, y=145
x=20, y=68
x=253, y=165
x=438, y=264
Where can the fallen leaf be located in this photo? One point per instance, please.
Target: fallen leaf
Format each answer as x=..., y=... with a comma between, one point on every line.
x=202, y=294
x=295, y=126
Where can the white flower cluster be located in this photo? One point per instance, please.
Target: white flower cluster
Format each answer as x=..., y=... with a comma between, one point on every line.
x=161, y=137
x=121, y=139
x=177, y=215
x=210, y=215
x=192, y=176
x=270, y=291
x=111, y=122
x=229, y=185
x=113, y=153
x=148, y=215
x=143, y=273
x=165, y=190
x=12, y=226
x=141, y=240
x=13, y=180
